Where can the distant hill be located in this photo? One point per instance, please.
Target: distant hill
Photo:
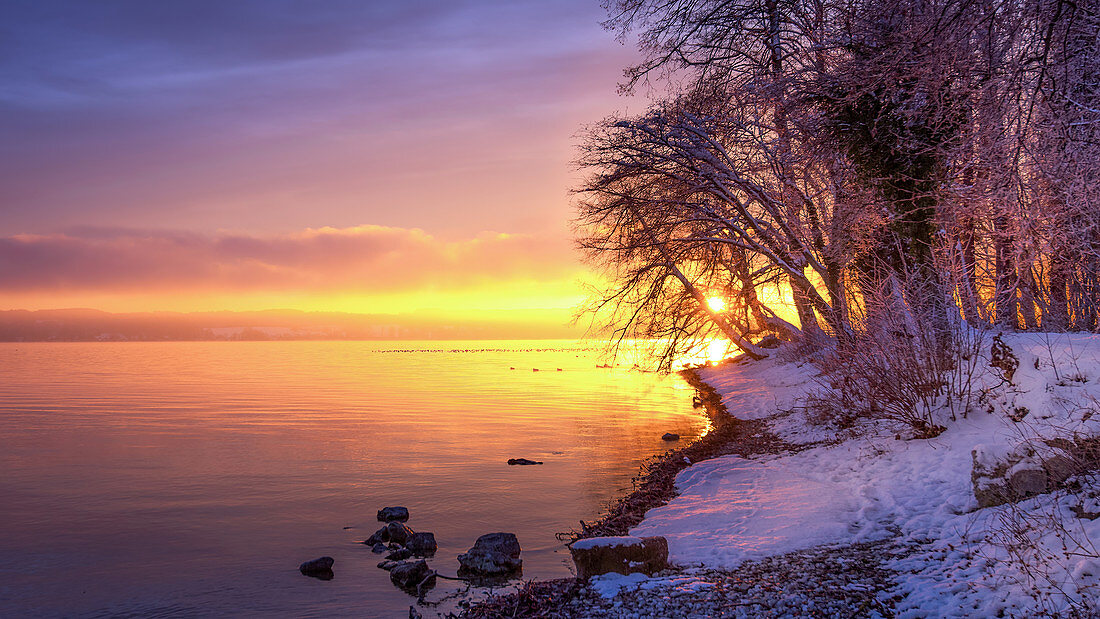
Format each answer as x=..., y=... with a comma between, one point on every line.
x=88, y=325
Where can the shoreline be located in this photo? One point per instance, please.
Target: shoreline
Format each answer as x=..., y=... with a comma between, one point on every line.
x=865, y=520
x=654, y=486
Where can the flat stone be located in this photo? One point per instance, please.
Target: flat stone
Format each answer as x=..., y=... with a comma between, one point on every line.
x=670, y=436
x=622, y=555
x=522, y=461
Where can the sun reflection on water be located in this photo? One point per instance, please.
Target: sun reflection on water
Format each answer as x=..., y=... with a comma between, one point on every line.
x=642, y=354
x=708, y=352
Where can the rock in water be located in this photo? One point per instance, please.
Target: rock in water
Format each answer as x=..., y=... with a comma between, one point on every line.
x=670, y=436
x=624, y=555
x=380, y=536
x=493, y=553
x=521, y=461
x=389, y=514
x=398, y=533
x=399, y=554
x=379, y=548
x=409, y=574
x=421, y=544
x=318, y=568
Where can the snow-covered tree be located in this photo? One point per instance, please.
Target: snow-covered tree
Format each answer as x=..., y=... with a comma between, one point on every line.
x=835, y=147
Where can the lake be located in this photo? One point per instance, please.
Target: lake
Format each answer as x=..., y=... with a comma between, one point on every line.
x=174, y=479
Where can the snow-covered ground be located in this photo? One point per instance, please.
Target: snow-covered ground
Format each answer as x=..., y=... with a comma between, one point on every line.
x=1019, y=560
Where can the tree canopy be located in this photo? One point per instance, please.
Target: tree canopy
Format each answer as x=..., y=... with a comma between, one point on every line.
x=930, y=159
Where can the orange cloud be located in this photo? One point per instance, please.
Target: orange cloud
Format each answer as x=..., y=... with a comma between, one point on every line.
x=362, y=259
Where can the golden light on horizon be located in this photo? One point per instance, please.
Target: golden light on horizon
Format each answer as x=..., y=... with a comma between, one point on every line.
x=712, y=350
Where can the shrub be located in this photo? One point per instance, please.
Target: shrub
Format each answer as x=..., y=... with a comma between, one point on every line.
x=903, y=362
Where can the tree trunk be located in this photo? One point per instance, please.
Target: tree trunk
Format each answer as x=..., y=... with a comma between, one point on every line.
x=1056, y=317
x=1005, y=282
x=968, y=280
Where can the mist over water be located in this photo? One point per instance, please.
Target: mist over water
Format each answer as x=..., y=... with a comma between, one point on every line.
x=191, y=478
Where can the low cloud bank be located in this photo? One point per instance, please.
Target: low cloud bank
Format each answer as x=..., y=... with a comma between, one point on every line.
x=367, y=258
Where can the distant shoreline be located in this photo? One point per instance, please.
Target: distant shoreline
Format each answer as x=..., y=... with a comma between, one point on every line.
x=89, y=325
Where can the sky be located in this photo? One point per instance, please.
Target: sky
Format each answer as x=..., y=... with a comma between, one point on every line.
x=378, y=157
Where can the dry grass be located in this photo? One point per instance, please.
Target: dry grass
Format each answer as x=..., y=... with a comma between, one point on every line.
x=545, y=599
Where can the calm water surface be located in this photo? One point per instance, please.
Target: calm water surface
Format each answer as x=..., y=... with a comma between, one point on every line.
x=191, y=478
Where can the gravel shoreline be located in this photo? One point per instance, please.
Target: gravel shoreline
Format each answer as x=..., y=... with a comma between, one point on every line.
x=829, y=581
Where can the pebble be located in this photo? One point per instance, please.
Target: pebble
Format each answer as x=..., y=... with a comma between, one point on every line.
x=829, y=581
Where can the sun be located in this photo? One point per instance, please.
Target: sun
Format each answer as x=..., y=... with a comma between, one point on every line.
x=716, y=304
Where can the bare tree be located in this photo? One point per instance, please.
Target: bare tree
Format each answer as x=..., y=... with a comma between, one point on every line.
x=716, y=202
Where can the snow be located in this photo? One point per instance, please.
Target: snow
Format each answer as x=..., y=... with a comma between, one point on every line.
x=768, y=389
x=962, y=561
x=608, y=585
x=774, y=386
x=764, y=509
x=611, y=584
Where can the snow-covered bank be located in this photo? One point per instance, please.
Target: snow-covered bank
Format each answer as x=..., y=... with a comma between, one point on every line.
x=953, y=559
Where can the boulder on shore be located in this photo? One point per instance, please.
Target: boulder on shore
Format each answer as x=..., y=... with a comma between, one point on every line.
x=624, y=555
x=389, y=514
x=670, y=436
x=1000, y=477
x=492, y=554
x=410, y=574
x=398, y=533
x=318, y=568
x=521, y=461
x=421, y=544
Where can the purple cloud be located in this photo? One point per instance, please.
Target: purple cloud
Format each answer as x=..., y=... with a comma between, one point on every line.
x=372, y=259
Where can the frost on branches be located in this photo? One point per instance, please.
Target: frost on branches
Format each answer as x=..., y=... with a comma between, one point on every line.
x=842, y=173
